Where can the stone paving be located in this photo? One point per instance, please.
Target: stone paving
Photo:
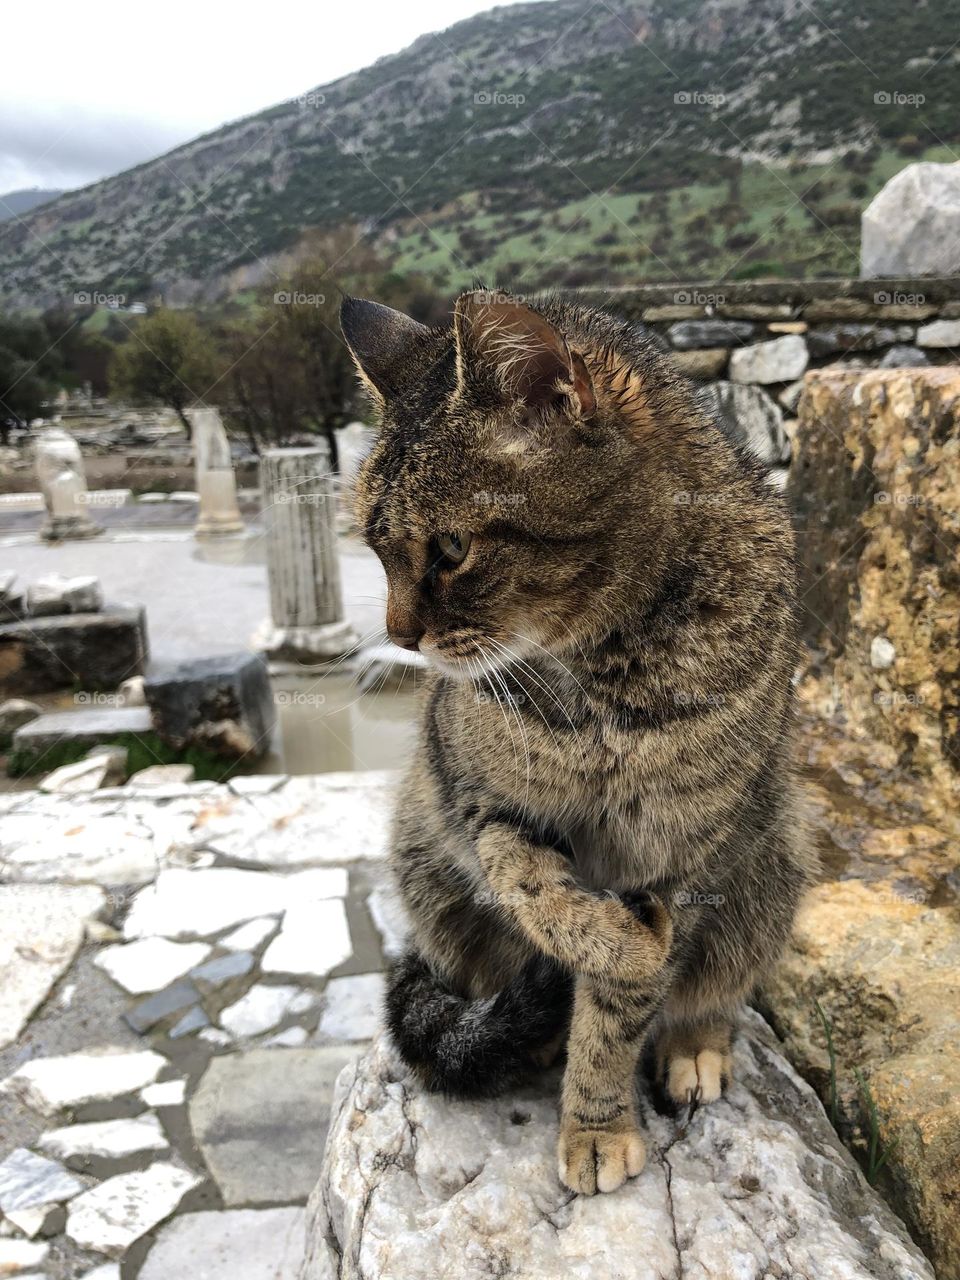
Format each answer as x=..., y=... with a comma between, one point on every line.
x=186, y=971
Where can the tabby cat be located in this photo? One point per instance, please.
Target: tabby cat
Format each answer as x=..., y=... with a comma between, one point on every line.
x=600, y=838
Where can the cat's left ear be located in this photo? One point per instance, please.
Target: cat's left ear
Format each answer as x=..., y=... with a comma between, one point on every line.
x=380, y=340
x=529, y=358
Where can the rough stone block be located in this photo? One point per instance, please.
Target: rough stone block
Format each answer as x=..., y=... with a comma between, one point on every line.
x=874, y=484
x=912, y=226
x=92, y=650
x=54, y=594
x=88, y=726
x=223, y=704
x=411, y=1180
x=780, y=360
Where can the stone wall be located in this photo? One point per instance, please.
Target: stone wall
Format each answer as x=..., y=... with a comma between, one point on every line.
x=762, y=337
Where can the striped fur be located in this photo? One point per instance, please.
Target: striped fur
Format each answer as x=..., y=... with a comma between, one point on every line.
x=605, y=782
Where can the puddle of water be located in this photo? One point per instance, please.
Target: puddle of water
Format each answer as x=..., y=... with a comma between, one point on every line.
x=325, y=724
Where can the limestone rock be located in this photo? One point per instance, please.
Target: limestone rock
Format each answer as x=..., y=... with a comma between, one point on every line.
x=161, y=775
x=250, y=935
x=17, y=1257
x=74, y=779
x=701, y=365
x=260, y=1119
x=169, y=1093
x=75, y=842
x=252, y=1244
x=54, y=594
x=874, y=485
x=50, y=1085
x=327, y=818
x=90, y=726
x=903, y=357
x=116, y=762
x=106, y=1139
x=185, y=903
x=353, y=1007
x=690, y=334
x=150, y=963
x=41, y=929
x=223, y=704
x=111, y=1216
x=14, y=713
x=750, y=417
x=912, y=226
x=131, y=692
x=415, y=1187
x=96, y=650
x=885, y=970
x=259, y=1010
x=313, y=939
x=941, y=333
x=29, y=1181
x=781, y=360
x=855, y=337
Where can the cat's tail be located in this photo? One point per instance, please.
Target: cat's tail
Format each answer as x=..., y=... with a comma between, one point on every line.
x=475, y=1048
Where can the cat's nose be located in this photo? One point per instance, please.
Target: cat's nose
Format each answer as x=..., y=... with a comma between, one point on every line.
x=411, y=642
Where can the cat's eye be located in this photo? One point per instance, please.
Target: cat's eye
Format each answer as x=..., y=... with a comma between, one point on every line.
x=454, y=546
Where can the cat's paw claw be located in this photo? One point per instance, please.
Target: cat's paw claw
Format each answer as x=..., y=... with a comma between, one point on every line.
x=592, y=1160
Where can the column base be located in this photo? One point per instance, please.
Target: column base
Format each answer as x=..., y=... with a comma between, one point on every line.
x=211, y=527
x=306, y=645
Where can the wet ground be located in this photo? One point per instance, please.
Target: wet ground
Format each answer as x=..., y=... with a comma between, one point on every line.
x=209, y=597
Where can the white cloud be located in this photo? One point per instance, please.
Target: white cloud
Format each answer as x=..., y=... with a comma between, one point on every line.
x=89, y=89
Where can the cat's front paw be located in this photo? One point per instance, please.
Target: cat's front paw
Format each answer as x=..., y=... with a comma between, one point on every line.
x=592, y=1160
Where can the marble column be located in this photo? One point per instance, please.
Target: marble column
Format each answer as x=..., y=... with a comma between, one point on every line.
x=63, y=482
x=306, y=599
x=216, y=484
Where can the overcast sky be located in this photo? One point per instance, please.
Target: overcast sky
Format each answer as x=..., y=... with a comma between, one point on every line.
x=89, y=89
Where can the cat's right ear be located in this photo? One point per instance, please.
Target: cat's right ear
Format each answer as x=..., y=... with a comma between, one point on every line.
x=379, y=339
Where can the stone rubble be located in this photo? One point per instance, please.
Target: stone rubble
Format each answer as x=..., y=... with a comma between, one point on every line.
x=75, y=779
x=235, y=1244
x=107, y=1139
x=149, y=964
x=169, y=1093
x=55, y=594
x=314, y=939
x=17, y=1257
x=41, y=929
x=259, y=1010
x=52, y=1085
x=112, y=1215
x=31, y=1182
x=184, y=903
x=352, y=1007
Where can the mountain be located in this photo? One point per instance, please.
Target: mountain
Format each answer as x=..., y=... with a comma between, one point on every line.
x=551, y=142
x=15, y=203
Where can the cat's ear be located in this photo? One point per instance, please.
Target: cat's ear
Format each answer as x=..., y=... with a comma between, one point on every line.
x=529, y=358
x=379, y=339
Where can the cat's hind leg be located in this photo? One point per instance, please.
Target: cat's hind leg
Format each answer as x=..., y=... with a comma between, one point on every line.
x=693, y=1059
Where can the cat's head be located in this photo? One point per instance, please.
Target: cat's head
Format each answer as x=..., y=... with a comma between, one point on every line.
x=492, y=494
